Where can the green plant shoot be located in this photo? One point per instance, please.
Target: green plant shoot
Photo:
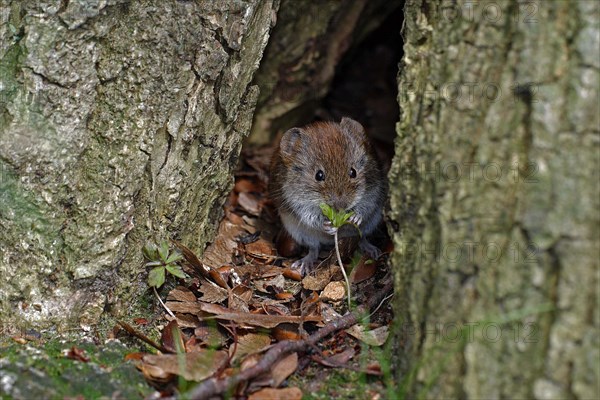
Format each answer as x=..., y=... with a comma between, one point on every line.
x=162, y=262
x=337, y=218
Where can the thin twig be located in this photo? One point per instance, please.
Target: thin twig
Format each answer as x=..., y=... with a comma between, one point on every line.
x=214, y=386
x=161, y=302
x=380, y=304
x=339, y=257
x=132, y=331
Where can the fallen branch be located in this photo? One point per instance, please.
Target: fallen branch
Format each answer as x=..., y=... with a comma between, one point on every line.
x=214, y=387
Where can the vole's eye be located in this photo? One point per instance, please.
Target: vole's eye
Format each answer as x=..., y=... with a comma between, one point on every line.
x=320, y=176
x=352, y=173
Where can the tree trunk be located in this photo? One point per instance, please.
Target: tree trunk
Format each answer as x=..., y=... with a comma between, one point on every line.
x=119, y=122
x=494, y=202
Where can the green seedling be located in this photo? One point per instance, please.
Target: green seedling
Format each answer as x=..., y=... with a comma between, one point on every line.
x=162, y=262
x=339, y=219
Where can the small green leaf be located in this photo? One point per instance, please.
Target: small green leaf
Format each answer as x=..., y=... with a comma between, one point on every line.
x=175, y=270
x=150, y=251
x=337, y=218
x=156, y=277
x=163, y=251
x=327, y=211
x=173, y=257
x=369, y=261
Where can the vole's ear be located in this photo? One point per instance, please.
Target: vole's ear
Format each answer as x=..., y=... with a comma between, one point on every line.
x=353, y=128
x=292, y=141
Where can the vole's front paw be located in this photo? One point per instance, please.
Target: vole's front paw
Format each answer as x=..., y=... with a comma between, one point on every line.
x=355, y=219
x=329, y=228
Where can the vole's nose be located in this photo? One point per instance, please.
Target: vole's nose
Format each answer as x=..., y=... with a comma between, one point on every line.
x=339, y=203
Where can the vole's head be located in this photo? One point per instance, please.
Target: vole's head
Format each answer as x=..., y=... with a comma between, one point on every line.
x=326, y=162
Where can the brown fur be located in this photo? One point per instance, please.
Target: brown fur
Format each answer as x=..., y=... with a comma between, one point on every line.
x=333, y=148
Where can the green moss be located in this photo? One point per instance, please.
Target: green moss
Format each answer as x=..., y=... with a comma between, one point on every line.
x=9, y=66
x=43, y=371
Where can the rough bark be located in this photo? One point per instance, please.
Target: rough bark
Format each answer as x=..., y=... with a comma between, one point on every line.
x=119, y=122
x=308, y=42
x=494, y=202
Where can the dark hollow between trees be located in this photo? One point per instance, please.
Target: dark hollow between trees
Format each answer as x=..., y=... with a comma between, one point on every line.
x=365, y=85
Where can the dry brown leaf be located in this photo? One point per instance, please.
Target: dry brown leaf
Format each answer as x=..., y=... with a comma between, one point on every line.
x=276, y=309
x=339, y=359
x=218, y=278
x=195, y=366
x=219, y=252
x=250, y=203
x=194, y=344
x=262, y=320
x=181, y=293
x=261, y=249
x=172, y=338
x=318, y=279
x=254, y=271
x=243, y=292
x=250, y=343
x=311, y=305
x=246, y=185
x=212, y=293
x=290, y=393
x=284, y=296
x=75, y=353
x=134, y=356
x=154, y=373
x=237, y=303
x=374, y=337
x=209, y=333
x=234, y=218
x=285, y=245
x=292, y=274
x=328, y=313
x=250, y=361
x=285, y=332
x=184, y=307
x=374, y=369
x=284, y=368
x=187, y=320
x=191, y=258
x=274, y=285
x=365, y=269
x=278, y=373
x=334, y=291
x=199, y=266
x=19, y=339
